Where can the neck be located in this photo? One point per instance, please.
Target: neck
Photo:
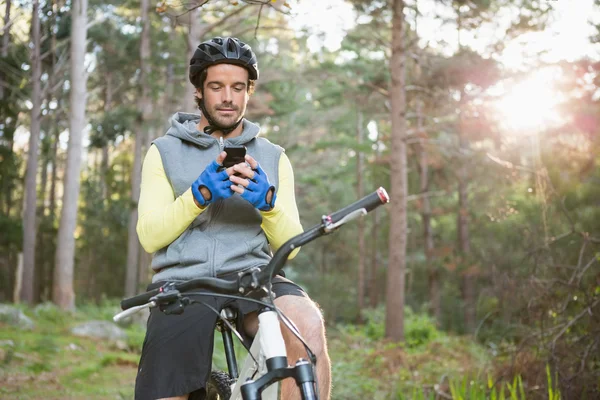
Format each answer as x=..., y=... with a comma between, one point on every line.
x=236, y=132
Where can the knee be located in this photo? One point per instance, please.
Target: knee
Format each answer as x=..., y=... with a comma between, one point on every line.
x=307, y=317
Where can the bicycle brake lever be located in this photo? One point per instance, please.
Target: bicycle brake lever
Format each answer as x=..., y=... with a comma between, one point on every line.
x=330, y=227
x=167, y=294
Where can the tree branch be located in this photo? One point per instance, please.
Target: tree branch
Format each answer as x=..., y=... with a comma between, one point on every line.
x=588, y=309
x=262, y=28
x=204, y=31
x=258, y=21
x=508, y=164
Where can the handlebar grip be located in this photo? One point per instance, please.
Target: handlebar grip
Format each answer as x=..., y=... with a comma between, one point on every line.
x=369, y=203
x=138, y=300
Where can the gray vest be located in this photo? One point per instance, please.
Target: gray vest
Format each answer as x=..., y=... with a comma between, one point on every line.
x=224, y=238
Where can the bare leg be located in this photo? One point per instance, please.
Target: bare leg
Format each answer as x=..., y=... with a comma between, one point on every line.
x=309, y=321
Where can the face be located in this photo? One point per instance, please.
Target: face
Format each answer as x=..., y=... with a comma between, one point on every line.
x=225, y=93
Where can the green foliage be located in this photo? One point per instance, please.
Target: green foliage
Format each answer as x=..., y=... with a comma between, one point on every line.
x=419, y=329
x=360, y=360
x=553, y=392
x=49, y=314
x=474, y=389
x=12, y=232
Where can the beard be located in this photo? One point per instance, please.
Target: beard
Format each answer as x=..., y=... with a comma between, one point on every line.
x=225, y=120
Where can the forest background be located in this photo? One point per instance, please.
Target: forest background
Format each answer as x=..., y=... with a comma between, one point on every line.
x=480, y=117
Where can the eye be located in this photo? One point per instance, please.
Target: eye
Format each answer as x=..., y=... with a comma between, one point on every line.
x=239, y=88
x=214, y=87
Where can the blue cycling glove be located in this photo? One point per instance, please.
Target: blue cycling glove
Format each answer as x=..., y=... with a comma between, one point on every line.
x=217, y=183
x=257, y=190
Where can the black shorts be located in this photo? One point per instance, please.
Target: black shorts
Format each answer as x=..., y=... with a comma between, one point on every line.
x=177, y=351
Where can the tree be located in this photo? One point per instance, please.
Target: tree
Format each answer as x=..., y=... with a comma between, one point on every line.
x=5, y=41
x=29, y=214
x=394, y=321
x=362, y=251
x=62, y=291
x=145, y=109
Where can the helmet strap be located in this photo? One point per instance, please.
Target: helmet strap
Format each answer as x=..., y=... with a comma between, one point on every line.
x=212, y=124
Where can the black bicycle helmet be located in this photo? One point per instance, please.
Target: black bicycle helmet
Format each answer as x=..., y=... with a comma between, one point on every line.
x=226, y=50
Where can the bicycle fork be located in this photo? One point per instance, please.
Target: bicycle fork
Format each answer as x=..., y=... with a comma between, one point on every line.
x=269, y=350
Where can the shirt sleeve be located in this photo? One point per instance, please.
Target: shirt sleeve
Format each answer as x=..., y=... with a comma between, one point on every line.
x=161, y=216
x=283, y=221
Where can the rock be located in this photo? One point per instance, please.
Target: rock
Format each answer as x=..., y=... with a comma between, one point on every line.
x=121, y=345
x=74, y=347
x=99, y=329
x=14, y=316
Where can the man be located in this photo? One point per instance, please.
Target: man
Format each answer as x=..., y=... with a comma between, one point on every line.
x=200, y=220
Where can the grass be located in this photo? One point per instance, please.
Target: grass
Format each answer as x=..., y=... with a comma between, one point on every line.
x=49, y=362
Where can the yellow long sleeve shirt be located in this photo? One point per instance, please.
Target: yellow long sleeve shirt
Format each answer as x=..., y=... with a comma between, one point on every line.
x=162, y=217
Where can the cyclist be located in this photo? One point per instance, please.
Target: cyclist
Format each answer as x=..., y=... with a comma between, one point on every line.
x=200, y=220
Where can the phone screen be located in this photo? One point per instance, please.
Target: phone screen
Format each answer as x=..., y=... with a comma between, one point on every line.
x=235, y=155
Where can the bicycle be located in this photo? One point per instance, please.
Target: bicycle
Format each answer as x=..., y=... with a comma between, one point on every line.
x=266, y=363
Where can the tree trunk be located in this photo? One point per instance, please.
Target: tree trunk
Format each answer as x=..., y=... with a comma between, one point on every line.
x=54, y=175
x=394, y=322
x=29, y=213
x=374, y=274
x=133, y=244
x=192, y=39
x=5, y=42
x=108, y=95
x=168, y=100
x=464, y=242
x=361, y=221
x=144, y=269
x=432, y=270
x=6, y=194
x=435, y=306
x=62, y=288
x=41, y=234
x=48, y=276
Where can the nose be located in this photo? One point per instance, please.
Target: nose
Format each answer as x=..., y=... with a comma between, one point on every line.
x=227, y=95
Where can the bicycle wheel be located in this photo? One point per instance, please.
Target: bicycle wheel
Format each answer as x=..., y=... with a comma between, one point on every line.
x=218, y=386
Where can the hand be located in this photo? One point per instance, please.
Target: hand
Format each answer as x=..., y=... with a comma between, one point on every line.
x=212, y=185
x=253, y=184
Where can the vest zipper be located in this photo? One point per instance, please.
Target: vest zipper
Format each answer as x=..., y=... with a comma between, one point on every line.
x=221, y=144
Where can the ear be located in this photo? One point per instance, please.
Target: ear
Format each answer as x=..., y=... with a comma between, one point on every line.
x=198, y=93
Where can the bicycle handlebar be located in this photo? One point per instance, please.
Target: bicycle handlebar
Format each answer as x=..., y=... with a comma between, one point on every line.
x=219, y=285
x=369, y=203
x=215, y=284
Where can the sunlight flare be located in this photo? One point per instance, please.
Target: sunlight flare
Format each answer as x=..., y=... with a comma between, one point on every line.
x=532, y=103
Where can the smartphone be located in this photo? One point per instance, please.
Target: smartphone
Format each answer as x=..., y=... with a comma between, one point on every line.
x=235, y=155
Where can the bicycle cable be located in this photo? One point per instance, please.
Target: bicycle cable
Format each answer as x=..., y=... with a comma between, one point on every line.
x=226, y=322
x=284, y=318
x=289, y=324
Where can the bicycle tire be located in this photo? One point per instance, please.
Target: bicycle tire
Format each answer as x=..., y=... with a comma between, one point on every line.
x=218, y=386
